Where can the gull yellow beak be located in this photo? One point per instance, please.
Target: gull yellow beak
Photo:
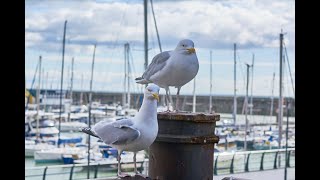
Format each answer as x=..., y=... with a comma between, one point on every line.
x=191, y=50
x=156, y=96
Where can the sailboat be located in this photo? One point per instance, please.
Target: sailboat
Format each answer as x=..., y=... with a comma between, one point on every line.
x=38, y=130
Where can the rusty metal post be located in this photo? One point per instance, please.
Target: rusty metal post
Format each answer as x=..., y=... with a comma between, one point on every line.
x=184, y=146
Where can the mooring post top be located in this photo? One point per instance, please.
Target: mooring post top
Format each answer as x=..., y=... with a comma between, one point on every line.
x=189, y=116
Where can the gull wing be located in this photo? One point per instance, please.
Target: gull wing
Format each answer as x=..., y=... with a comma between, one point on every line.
x=119, y=132
x=158, y=62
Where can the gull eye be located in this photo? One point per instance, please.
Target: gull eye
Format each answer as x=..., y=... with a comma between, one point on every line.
x=183, y=45
x=149, y=90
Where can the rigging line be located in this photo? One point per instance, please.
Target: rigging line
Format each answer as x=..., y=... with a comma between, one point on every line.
x=286, y=86
x=240, y=64
x=152, y=37
x=121, y=23
x=285, y=49
x=133, y=72
x=155, y=23
x=152, y=41
x=115, y=43
x=287, y=83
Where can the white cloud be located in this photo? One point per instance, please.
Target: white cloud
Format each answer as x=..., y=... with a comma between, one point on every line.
x=210, y=24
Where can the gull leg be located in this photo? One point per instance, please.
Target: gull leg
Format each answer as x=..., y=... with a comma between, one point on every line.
x=170, y=98
x=167, y=99
x=177, y=99
x=135, y=162
x=119, y=167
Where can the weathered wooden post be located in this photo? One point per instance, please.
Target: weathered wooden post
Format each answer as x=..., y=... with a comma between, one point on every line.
x=184, y=146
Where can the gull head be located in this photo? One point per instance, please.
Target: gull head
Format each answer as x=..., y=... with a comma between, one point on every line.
x=185, y=46
x=152, y=92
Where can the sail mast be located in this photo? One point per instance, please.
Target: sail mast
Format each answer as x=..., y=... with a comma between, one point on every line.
x=280, y=113
x=128, y=74
x=90, y=103
x=271, y=109
x=235, y=87
x=246, y=108
x=71, y=86
x=45, y=92
x=38, y=99
x=61, y=86
x=124, y=99
x=81, y=93
x=251, y=98
x=145, y=7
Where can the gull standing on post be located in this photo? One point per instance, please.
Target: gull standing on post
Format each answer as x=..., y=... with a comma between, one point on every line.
x=134, y=134
x=172, y=68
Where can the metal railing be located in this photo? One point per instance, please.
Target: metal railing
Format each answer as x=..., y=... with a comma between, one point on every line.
x=249, y=161
x=224, y=163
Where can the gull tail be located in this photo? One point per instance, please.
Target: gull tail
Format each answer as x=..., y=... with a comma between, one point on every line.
x=141, y=80
x=88, y=131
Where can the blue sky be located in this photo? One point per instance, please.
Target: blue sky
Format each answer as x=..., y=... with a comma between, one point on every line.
x=212, y=25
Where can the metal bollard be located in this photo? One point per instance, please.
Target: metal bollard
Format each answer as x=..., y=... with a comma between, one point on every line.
x=184, y=147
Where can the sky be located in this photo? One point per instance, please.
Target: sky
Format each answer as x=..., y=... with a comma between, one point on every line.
x=254, y=25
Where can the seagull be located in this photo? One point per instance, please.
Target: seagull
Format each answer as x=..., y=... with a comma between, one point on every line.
x=133, y=134
x=172, y=68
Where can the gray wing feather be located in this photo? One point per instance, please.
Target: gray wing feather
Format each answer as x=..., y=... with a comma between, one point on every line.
x=118, y=132
x=158, y=62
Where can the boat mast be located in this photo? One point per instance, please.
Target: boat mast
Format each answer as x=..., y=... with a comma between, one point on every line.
x=38, y=99
x=124, y=100
x=81, y=93
x=145, y=7
x=251, y=98
x=235, y=87
x=271, y=109
x=287, y=131
x=280, y=113
x=45, y=92
x=61, y=86
x=210, y=101
x=90, y=103
x=71, y=85
x=128, y=74
x=246, y=108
